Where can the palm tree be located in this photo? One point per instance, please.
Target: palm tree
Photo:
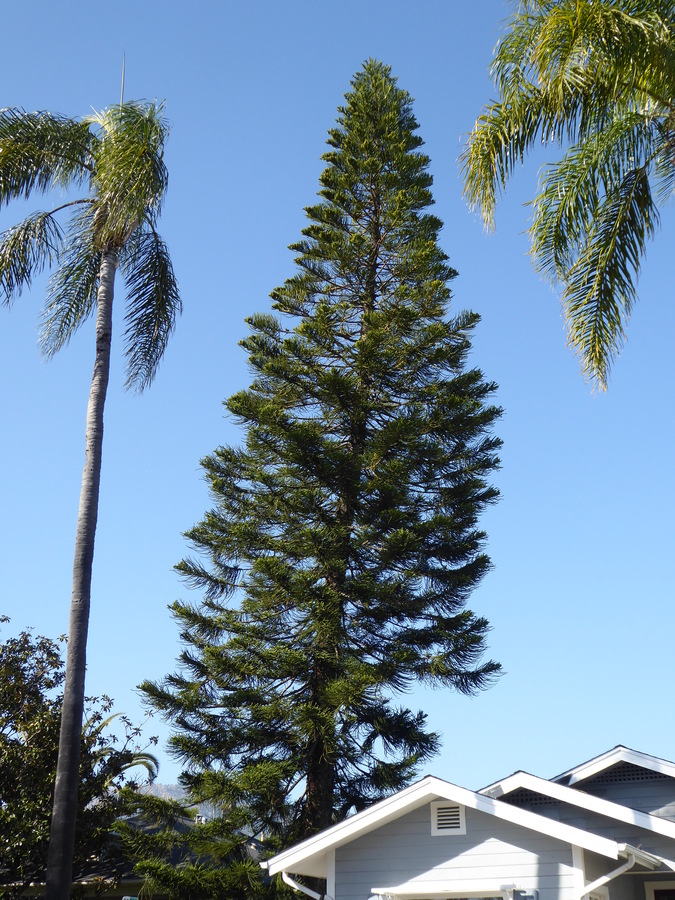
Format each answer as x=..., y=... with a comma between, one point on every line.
x=599, y=77
x=116, y=160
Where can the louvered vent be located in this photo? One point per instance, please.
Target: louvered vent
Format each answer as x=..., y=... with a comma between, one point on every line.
x=447, y=818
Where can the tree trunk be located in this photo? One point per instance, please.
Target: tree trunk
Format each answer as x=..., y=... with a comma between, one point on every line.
x=64, y=811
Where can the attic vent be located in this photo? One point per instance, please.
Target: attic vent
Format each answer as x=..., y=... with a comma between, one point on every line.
x=529, y=799
x=447, y=818
x=623, y=773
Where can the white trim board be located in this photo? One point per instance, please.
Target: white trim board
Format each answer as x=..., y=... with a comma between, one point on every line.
x=575, y=797
x=611, y=758
x=651, y=886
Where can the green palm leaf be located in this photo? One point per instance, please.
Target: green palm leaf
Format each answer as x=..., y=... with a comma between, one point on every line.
x=600, y=288
x=40, y=151
x=599, y=75
x=572, y=191
x=153, y=304
x=72, y=289
x=24, y=252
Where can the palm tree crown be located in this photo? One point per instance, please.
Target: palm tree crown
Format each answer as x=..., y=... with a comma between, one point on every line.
x=117, y=156
x=599, y=77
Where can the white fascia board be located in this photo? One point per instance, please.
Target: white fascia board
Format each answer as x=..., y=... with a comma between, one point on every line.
x=576, y=797
x=611, y=758
x=308, y=853
x=534, y=822
x=495, y=789
x=375, y=816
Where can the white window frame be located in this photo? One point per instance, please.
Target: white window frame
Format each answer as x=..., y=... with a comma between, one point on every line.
x=652, y=886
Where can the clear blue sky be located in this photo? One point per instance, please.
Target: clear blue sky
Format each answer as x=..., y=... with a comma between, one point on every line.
x=580, y=597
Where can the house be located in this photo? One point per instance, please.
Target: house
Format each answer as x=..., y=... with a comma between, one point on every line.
x=604, y=830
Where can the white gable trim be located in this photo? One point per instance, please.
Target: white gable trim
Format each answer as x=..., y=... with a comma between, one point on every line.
x=611, y=758
x=581, y=799
x=310, y=854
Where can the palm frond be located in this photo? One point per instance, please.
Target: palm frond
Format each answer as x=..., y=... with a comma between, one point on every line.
x=39, y=151
x=600, y=288
x=600, y=76
x=664, y=163
x=572, y=190
x=25, y=249
x=71, y=296
x=153, y=304
x=501, y=137
x=512, y=59
x=131, y=177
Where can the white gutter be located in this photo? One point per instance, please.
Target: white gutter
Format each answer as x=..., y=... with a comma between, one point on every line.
x=634, y=855
x=610, y=876
x=303, y=888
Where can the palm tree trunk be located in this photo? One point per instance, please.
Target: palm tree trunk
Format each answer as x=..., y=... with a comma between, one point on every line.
x=64, y=811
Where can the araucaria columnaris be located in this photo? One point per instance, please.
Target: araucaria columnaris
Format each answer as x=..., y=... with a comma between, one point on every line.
x=343, y=541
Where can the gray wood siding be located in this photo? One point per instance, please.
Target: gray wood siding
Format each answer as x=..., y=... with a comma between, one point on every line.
x=656, y=797
x=621, y=832
x=492, y=852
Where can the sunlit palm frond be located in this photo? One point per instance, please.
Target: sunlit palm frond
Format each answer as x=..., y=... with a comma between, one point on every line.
x=572, y=190
x=131, y=177
x=72, y=288
x=25, y=250
x=663, y=184
x=600, y=286
x=598, y=75
x=39, y=151
x=153, y=304
x=513, y=53
x=500, y=139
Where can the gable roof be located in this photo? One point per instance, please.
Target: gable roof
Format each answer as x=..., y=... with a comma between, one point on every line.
x=310, y=856
x=581, y=799
x=610, y=758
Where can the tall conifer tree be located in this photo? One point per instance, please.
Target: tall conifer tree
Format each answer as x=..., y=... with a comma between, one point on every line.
x=343, y=542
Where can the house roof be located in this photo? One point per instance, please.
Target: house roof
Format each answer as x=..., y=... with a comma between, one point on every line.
x=311, y=856
x=581, y=799
x=611, y=758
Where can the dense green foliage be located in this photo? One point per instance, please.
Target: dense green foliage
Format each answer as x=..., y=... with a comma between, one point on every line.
x=31, y=681
x=343, y=541
x=181, y=857
x=597, y=76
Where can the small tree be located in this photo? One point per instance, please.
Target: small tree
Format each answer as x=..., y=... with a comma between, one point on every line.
x=347, y=523
x=184, y=858
x=31, y=682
